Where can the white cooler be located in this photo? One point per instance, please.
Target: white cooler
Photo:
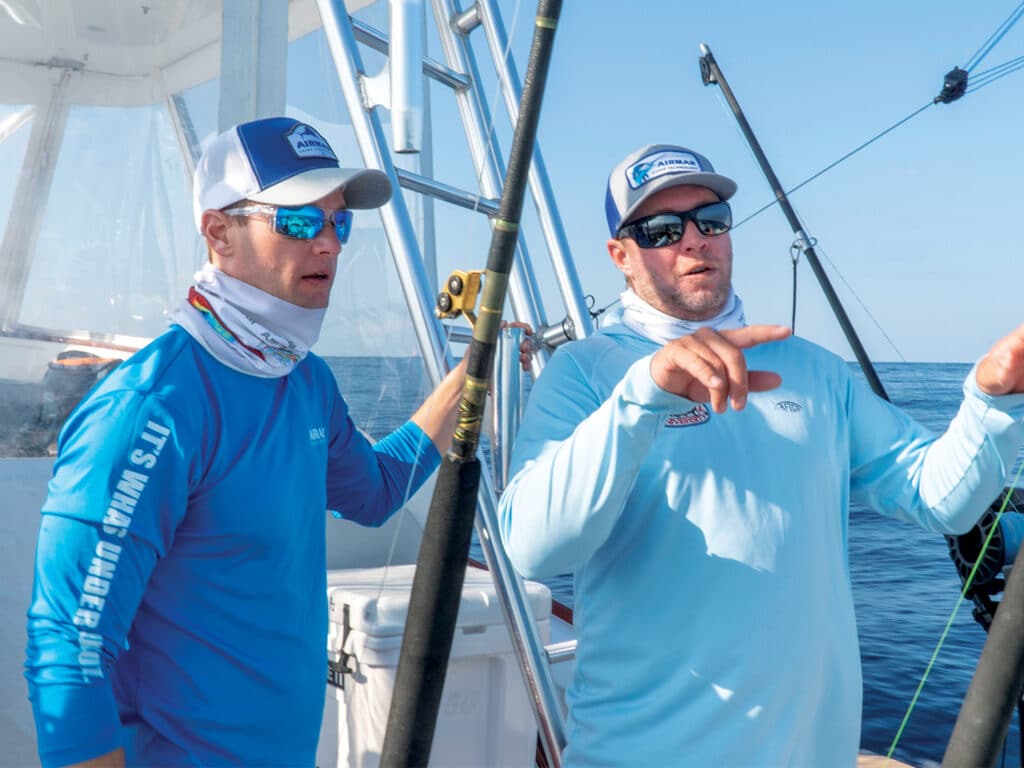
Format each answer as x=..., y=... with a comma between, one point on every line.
x=485, y=718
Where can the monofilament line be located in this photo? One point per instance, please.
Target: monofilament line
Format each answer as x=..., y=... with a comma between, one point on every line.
x=956, y=608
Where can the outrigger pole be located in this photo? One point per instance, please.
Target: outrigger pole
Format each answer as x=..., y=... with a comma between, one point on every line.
x=441, y=565
x=712, y=75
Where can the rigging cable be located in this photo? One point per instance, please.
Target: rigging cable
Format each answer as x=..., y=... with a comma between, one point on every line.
x=955, y=86
x=830, y=166
x=989, y=76
x=956, y=608
x=995, y=37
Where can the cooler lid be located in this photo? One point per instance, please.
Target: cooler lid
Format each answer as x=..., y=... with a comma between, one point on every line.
x=378, y=599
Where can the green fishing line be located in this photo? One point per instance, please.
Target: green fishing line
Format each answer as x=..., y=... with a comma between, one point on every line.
x=956, y=608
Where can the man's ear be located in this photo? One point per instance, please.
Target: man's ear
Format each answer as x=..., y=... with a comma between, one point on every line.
x=620, y=256
x=216, y=226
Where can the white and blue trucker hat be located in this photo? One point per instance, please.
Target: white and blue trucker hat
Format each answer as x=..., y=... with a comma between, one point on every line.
x=280, y=161
x=653, y=168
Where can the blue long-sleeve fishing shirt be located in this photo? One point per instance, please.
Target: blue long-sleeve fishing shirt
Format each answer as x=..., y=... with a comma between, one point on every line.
x=713, y=604
x=179, y=607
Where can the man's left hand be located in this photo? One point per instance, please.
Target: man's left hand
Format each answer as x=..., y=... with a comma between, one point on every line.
x=1001, y=371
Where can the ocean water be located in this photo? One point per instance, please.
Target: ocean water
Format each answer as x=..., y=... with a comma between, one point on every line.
x=905, y=590
x=904, y=584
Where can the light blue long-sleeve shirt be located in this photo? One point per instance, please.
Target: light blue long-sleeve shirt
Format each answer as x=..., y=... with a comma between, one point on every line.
x=713, y=604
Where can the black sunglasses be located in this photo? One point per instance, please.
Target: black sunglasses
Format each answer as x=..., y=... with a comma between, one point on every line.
x=667, y=228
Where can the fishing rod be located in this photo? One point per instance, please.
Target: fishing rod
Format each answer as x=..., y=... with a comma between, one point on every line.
x=980, y=556
x=988, y=707
x=440, y=568
x=711, y=74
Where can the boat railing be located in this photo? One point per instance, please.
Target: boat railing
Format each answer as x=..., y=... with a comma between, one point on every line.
x=106, y=341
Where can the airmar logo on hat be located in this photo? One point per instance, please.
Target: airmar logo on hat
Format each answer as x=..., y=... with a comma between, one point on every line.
x=661, y=164
x=306, y=142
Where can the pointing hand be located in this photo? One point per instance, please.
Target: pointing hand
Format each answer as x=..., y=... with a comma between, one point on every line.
x=709, y=365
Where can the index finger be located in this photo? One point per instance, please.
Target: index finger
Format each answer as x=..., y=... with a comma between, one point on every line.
x=752, y=335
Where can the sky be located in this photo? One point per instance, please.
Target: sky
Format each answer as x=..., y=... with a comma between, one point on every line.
x=920, y=232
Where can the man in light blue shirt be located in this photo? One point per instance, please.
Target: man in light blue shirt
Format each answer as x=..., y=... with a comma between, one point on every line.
x=695, y=472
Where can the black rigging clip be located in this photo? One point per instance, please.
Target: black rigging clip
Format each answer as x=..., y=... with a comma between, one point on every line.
x=953, y=86
x=965, y=549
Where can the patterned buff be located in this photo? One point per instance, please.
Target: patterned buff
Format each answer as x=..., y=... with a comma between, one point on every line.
x=245, y=328
x=652, y=324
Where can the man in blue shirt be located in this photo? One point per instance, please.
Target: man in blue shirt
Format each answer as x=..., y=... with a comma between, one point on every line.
x=179, y=611
x=695, y=473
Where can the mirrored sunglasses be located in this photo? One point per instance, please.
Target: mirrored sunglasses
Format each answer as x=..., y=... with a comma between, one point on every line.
x=663, y=229
x=302, y=223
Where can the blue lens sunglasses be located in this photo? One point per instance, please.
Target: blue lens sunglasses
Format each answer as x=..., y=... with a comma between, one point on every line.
x=302, y=223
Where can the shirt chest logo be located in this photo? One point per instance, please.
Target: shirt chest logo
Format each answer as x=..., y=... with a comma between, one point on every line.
x=317, y=435
x=699, y=414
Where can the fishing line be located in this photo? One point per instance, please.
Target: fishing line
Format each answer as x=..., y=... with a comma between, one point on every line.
x=596, y=313
x=835, y=269
x=408, y=492
x=864, y=306
x=492, y=151
x=338, y=107
x=956, y=608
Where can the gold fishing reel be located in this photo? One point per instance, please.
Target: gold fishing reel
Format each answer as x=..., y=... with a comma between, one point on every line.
x=460, y=294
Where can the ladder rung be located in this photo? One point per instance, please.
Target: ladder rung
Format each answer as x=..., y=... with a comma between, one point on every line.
x=377, y=40
x=458, y=334
x=561, y=652
x=448, y=194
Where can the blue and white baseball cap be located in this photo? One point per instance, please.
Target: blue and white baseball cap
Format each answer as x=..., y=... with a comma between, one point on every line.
x=653, y=168
x=280, y=161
